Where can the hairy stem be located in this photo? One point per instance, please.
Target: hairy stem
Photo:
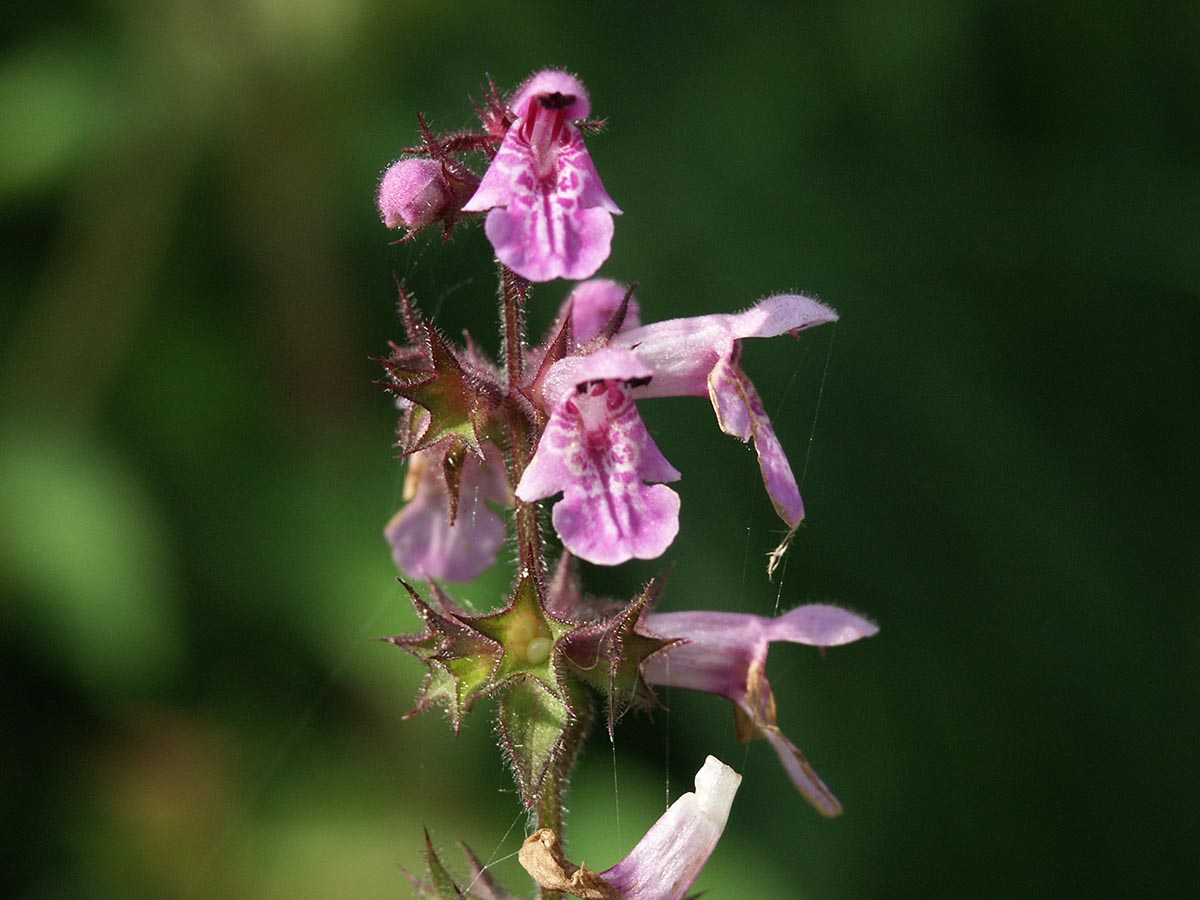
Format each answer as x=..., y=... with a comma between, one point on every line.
x=523, y=427
x=524, y=432
x=554, y=788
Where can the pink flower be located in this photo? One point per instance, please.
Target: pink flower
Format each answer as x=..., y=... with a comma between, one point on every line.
x=596, y=450
x=600, y=454
x=550, y=215
x=427, y=542
x=726, y=654
x=666, y=861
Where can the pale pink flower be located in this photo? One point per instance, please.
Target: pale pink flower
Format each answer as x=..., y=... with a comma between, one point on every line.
x=700, y=357
x=726, y=654
x=425, y=543
x=666, y=861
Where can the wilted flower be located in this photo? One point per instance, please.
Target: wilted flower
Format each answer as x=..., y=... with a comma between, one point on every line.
x=550, y=215
x=726, y=653
x=666, y=861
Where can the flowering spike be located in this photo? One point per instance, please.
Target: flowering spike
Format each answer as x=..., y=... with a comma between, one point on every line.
x=550, y=215
x=560, y=419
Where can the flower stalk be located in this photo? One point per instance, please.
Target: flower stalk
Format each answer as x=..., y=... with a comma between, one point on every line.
x=559, y=420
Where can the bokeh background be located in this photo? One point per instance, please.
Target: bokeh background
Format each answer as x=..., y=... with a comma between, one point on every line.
x=997, y=440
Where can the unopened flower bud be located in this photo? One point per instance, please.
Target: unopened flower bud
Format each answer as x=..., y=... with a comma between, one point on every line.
x=415, y=192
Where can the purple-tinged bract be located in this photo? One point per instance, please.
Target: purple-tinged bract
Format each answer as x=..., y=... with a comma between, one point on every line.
x=594, y=303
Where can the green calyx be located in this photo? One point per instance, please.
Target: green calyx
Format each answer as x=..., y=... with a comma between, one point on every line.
x=515, y=654
x=462, y=662
x=528, y=636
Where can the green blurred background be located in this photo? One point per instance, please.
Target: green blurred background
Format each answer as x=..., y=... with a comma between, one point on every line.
x=1000, y=198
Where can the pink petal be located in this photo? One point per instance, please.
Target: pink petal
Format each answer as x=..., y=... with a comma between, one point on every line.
x=682, y=352
x=667, y=860
x=614, y=527
x=553, y=81
x=821, y=625
x=726, y=653
x=568, y=374
x=781, y=314
x=541, y=241
x=721, y=646
x=716, y=655
x=596, y=450
x=551, y=217
x=740, y=413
